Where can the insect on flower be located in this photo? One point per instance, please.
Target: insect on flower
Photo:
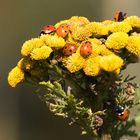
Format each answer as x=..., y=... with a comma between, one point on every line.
x=62, y=30
x=119, y=16
x=86, y=49
x=122, y=113
x=69, y=49
x=47, y=29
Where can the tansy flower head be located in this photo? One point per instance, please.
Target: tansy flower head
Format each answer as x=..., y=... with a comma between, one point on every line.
x=26, y=63
x=74, y=62
x=108, y=22
x=104, y=50
x=16, y=76
x=96, y=50
x=117, y=71
x=97, y=29
x=117, y=40
x=77, y=20
x=119, y=27
x=29, y=45
x=133, y=45
x=94, y=41
x=72, y=40
x=41, y=53
x=111, y=63
x=61, y=22
x=99, y=50
x=134, y=21
x=91, y=66
x=53, y=41
x=80, y=33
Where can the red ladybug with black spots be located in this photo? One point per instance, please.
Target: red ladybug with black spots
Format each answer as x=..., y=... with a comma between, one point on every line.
x=47, y=29
x=69, y=49
x=122, y=113
x=86, y=49
x=62, y=30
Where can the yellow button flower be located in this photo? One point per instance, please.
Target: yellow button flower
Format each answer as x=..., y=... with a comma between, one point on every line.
x=94, y=41
x=119, y=27
x=41, y=53
x=80, y=33
x=74, y=62
x=78, y=20
x=134, y=21
x=91, y=66
x=16, y=76
x=98, y=29
x=117, y=40
x=53, y=41
x=111, y=63
x=61, y=22
x=107, y=22
x=104, y=50
x=133, y=45
x=29, y=45
x=72, y=40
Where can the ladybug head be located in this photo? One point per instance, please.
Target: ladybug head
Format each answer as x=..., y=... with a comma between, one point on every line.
x=119, y=109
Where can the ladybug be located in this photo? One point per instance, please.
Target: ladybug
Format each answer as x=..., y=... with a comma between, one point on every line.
x=86, y=49
x=69, y=49
x=122, y=113
x=119, y=16
x=47, y=29
x=62, y=30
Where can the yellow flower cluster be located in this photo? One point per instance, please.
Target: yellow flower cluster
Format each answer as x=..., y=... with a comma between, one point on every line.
x=29, y=45
x=111, y=63
x=53, y=41
x=41, y=53
x=117, y=40
x=134, y=21
x=16, y=76
x=102, y=44
x=80, y=33
x=133, y=45
x=74, y=62
x=97, y=29
x=119, y=27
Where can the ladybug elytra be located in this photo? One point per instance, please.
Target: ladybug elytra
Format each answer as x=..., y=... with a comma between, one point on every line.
x=62, y=30
x=122, y=113
x=69, y=49
x=47, y=29
x=86, y=49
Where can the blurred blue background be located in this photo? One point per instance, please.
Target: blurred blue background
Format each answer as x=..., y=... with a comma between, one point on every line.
x=22, y=115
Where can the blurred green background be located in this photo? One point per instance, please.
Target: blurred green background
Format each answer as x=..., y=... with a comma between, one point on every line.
x=22, y=115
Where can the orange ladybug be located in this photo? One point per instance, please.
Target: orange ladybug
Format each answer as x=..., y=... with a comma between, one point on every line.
x=119, y=16
x=62, y=30
x=69, y=49
x=47, y=29
x=86, y=49
x=122, y=113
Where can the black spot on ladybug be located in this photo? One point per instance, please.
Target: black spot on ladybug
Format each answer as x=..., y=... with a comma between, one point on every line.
x=70, y=50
